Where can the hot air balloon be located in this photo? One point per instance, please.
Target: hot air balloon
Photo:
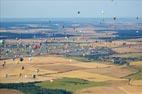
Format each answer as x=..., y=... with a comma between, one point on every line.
x=4, y=64
x=2, y=42
x=34, y=76
x=20, y=74
x=78, y=12
x=25, y=76
x=102, y=13
x=63, y=26
x=30, y=59
x=36, y=46
x=114, y=18
x=21, y=59
x=51, y=80
x=23, y=68
x=137, y=17
x=37, y=70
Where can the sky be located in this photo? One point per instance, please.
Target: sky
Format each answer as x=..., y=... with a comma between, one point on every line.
x=69, y=8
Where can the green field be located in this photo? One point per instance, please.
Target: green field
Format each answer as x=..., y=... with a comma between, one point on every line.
x=79, y=58
x=70, y=84
x=59, y=86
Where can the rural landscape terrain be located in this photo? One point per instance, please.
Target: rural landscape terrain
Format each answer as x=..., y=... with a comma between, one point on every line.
x=71, y=56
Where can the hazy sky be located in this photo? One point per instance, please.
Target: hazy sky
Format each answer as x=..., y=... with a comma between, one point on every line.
x=69, y=8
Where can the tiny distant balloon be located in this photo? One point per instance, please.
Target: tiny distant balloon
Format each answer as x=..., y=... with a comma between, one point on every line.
x=2, y=42
x=114, y=18
x=34, y=76
x=78, y=12
x=66, y=37
x=137, y=17
x=137, y=31
x=25, y=76
x=63, y=26
x=51, y=80
x=21, y=59
x=70, y=60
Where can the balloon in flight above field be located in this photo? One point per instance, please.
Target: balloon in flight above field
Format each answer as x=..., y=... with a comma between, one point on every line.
x=78, y=12
x=2, y=42
x=102, y=13
x=137, y=17
x=114, y=18
x=21, y=59
x=63, y=26
x=137, y=31
x=36, y=46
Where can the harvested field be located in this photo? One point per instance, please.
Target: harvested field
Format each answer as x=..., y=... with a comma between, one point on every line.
x=56, y=67
x=48, y=66
x=118, y=71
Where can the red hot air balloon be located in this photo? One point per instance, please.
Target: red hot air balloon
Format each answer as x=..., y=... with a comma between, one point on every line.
x=36, y=46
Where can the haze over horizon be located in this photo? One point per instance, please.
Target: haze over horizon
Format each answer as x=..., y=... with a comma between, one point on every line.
x=69, y=8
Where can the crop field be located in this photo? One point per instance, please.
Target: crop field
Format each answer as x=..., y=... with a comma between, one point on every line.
x=68, y=75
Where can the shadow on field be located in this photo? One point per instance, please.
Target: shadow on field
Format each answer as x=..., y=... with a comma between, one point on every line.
x=31, y=88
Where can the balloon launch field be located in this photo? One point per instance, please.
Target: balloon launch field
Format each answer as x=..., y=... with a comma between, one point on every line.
x=50, y=68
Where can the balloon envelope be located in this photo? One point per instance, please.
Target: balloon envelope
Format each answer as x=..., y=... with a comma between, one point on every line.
x=78, y=12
